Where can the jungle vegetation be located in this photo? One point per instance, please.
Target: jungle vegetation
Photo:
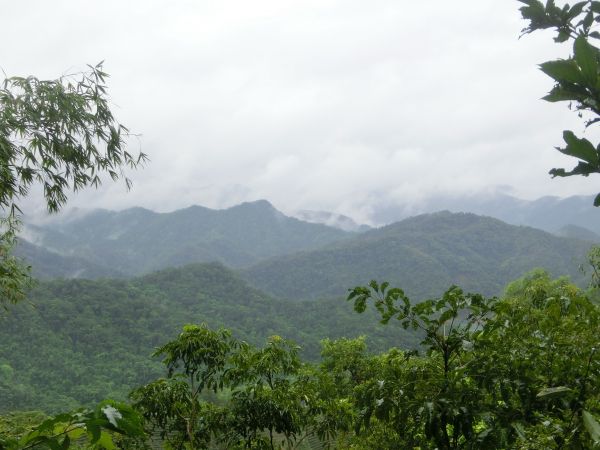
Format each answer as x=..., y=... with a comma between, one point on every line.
x=518, y=370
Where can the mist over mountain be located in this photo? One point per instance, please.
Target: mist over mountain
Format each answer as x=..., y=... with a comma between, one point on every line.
x=546, y=213
x=294, y=259
x=47, y=264
x=331, y=219
x=424, y=255
x=137, y=241
x=577, y=232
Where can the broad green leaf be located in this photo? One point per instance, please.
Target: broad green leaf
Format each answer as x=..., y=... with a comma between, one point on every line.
x=560, y=94
x=76, y=433
x=553, y=391
x=105, y=441
x=576, y=9
x=582, y=168
x=520, y=430
x=586, y=57
x=563, y=71
x=587, y=21
x=597, y=200
x=579, y=148
x=592, y=426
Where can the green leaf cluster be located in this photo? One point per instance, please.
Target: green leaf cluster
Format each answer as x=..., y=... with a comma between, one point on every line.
x=517, y=372
x=264, y=401
x=577, y=79
x=94, y=428
x=62, y=135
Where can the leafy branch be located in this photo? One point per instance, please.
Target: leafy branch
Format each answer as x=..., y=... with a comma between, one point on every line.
x=576, y=78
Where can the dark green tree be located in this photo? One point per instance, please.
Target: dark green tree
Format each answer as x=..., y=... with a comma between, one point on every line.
x=62, y=135
x=440, y=404
x=196, y=362
x=517, y=372
x=537, y=361
x=266, y=401
x=577, y=78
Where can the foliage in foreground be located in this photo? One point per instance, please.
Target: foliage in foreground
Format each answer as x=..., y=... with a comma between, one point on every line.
x=89, y=340
x=62, y=135
x=576, y=78
x=88, y=428
x=520, y=372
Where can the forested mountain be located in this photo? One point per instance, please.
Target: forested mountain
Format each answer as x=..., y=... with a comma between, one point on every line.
x=331, y=219
x=76, y=342
x=424, y=255
x=83, y=341
x=546, y=213
x=137, y=241
x=577, y=232
x=48, y=264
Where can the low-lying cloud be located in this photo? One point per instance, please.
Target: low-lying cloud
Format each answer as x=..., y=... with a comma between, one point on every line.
x=324, y=105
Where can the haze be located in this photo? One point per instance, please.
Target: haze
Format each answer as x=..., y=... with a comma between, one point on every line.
x=324, y=105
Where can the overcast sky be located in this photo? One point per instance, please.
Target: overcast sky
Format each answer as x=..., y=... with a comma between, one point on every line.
x=336, y=105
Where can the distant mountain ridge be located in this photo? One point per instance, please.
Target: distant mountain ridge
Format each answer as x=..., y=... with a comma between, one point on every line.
x=424, y=255
x=577, y=232
x=137, y=241
x=546, y=213
x=331, y=219
x=47, y=264
x=289, y=258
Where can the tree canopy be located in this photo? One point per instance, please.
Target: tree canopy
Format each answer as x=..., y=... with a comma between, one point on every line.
x=61, y=134
x=577, y=78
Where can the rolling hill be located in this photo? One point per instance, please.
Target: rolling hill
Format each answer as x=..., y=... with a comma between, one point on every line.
x=47, y=264
x=546, y=213
x=424, y=255
x=76, y=342
x=138, y=241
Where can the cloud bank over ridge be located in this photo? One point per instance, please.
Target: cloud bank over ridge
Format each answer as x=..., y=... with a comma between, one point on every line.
x=324, y=105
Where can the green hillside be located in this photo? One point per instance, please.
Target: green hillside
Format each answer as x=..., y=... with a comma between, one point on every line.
x=138, y=241
x=79, y=341
x=86, y=340
x=48, y=264
x=577, y=232
x=424, y=255
x=546, y=213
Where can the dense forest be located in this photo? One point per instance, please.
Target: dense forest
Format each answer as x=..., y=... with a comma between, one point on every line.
x=78, y=341
x=520, y=371
x=253, y=370
x=248, y=329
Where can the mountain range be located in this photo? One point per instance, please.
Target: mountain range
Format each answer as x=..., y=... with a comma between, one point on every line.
x=424, y=255
x=334, y=220
x=89, y=339
x=138, y=241
x=546, y=213
x=289, y=258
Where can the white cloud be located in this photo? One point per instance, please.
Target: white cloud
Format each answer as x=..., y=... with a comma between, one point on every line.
x=325, y=104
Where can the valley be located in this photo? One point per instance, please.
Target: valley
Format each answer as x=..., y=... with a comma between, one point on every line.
x=99, y=322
